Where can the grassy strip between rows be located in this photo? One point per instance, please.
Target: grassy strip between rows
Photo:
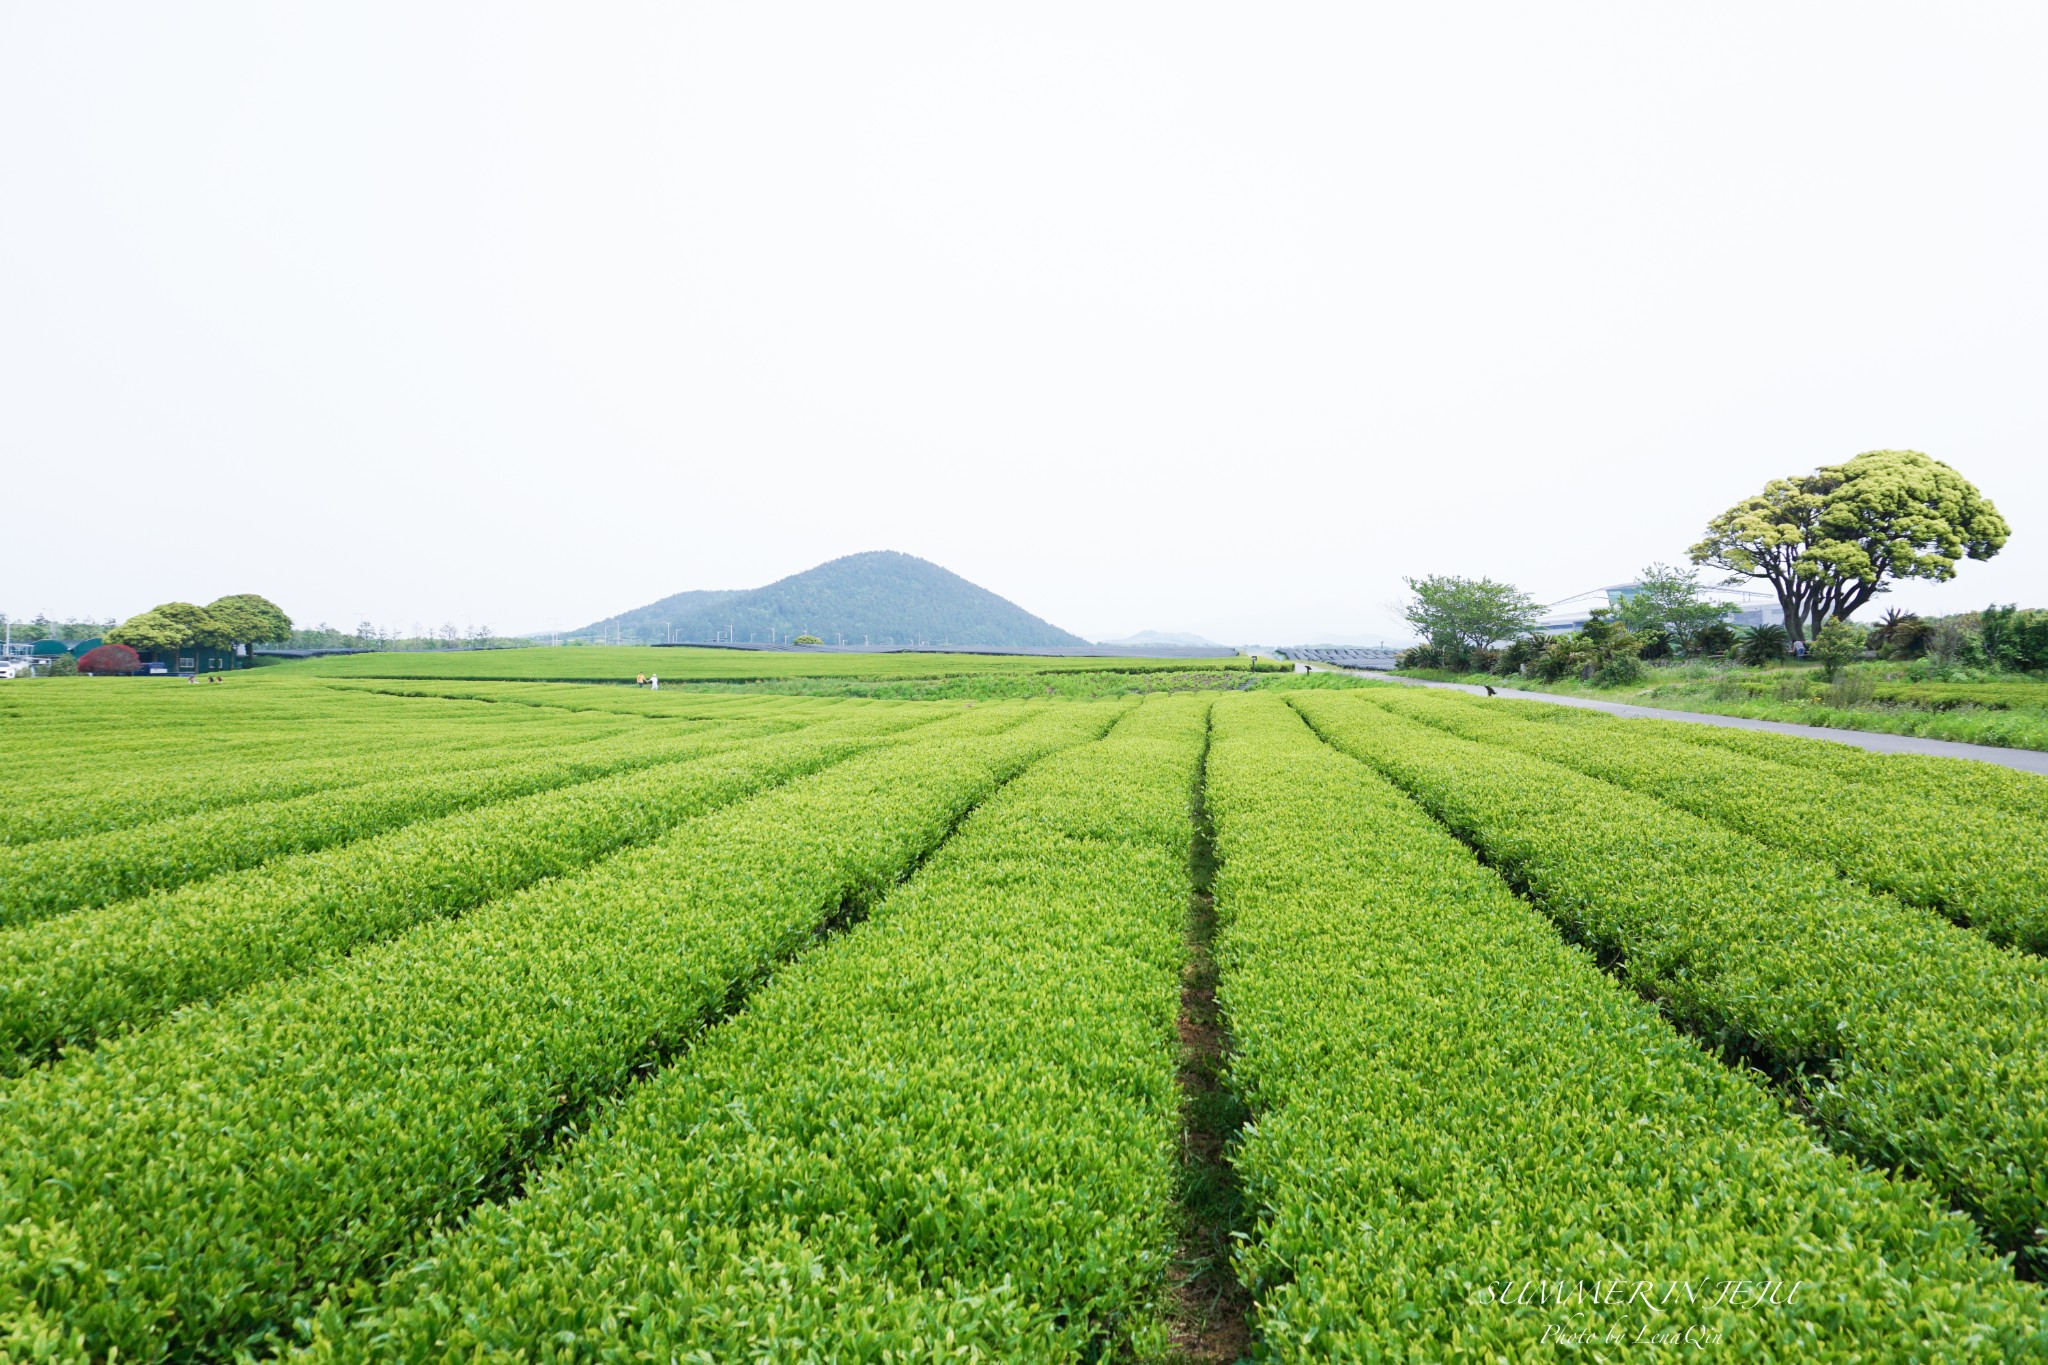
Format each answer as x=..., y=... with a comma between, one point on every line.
x=187, y=1192
x=948, y=1135
x=1912, y=1043
x=1980, y=868
x=134, y=793
x=68, y=981
x=1467, y=1143
x=50, y=878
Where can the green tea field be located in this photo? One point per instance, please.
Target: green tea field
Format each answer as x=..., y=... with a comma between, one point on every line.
x=820, y=1008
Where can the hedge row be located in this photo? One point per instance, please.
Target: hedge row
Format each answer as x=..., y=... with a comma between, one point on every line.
x=950, y=1134
x=1980, y=785
x=1912, y=1043
x=59, y=875
x=1925, y=696
x=67, y=981
x=1450, y=1104
x=1980, y=868
x=1985, y=785
x=190, y=1190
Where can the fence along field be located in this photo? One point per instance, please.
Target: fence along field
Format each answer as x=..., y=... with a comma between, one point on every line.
x=767, y=1024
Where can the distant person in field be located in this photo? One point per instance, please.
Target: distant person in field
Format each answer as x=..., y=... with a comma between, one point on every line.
x=639, y=680
x=654, y=681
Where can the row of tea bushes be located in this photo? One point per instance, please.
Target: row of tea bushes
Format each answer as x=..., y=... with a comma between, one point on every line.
x=191, y=1190
x=1979, y=867
x=948, y=1135
x=67, y=981
x=56, y=876
x=1912, y=1043
x=1451, y=1106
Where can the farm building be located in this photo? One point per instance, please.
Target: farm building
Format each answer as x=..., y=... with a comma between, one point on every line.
x=192, y=659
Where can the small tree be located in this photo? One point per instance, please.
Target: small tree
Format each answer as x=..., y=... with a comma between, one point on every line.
x=109, y=659
x=1462, y=616
x=1836, y=645
x=1667, y=602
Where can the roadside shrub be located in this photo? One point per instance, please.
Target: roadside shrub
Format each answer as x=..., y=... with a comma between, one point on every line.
x=1952, y=641
x=1420, y=656
x=1716, y=639
x=1619, y=671
x=1760, y=645
x=807, y=640
x=1521, y=653
x=1852, y=688
x=1899, y=635
x=1558, y=659
x=2013, y=638
x=1792, y=687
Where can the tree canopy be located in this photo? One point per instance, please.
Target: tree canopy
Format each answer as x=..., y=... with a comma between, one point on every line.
x=1461, y=615
x=1829, y=541
x=250, y=619
x=170, y=626
x=1667, y=601
x=117, y=659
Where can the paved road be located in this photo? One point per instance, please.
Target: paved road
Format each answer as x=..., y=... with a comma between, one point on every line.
x=2026, y=760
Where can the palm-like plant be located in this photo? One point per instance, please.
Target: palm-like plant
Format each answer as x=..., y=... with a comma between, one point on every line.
x=1898, y=634
x=1760, y=645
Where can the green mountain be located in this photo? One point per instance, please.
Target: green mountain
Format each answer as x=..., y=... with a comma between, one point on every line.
x=880, y=597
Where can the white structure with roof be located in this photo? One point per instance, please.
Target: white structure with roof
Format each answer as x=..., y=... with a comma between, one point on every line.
x=1752, y=608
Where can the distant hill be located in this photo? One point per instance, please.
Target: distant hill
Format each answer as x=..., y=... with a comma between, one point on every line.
x=1161, y=637
x=880, y=597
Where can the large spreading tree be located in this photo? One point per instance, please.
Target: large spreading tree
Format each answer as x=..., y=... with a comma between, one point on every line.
x=1829, y=541
x=251, y=620
x=171, y=626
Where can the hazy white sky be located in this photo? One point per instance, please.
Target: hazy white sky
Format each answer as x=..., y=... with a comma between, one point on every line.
x=1182, y=317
